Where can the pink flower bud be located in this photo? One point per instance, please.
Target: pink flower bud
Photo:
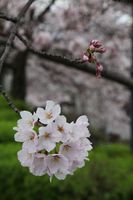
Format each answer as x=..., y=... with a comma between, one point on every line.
x=91, y=47
x=85, y=57
x=99, y=69
x=100, y=50
x=92, y=58
x=95, y=46
x=96, y=43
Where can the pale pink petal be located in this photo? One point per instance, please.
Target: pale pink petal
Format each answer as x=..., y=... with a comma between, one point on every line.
x=61, y=175
x=45, y=145
x=56, y=111
x=83, y=120
x=30, y=146
x=21, y=136
x=85, y=58
x=40, y=112
x=26, y=115
x=38, y=166
x=25, y=158
x=60, y=120
x=49, y=105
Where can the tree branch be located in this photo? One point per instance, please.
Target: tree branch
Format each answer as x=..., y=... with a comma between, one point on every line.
x=8, y=18
x=9, y=101
x=78, y=64
x=46, y=10
x=13, y=33
x=8, y=46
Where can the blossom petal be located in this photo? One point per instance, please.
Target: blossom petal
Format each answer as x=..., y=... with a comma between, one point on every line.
x=82, y=120
x=26, y=115
x=30, y=146
x=25, y=158
x=38, y=166
x=50, y=105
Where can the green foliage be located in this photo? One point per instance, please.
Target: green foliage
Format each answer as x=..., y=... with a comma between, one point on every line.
x=108, y=176
x=8, y=119
x=6, y=131
x=20, y=104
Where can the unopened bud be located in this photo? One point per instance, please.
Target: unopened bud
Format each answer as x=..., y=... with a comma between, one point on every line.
x=100, y=50
x=85, y=57
x=96, y=43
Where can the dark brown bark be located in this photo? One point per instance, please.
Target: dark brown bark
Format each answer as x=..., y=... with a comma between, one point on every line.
x=18, y=90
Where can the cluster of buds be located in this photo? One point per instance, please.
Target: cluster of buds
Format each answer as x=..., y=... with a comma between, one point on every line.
x=51, y=145
x=95, y=46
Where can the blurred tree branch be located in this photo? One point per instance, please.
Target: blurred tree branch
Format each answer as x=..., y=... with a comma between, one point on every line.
x=8, y=18
x=70, y=63
x=46, y=10
x=9, y=101
x=7, y=49
x=13, y=33
x=78, y=64
x=124, y=1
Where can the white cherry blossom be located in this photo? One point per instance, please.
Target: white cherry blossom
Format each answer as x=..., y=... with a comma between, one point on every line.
x=28, y=119
x=69, y=150
x=61, y=128
x=56, y=163
x=51, y=145
x=61, y=174
x=82, y=120
x=29, y=139
x=25, y=158
x=76, y=164
x=50, y=113
x=47, y=138
x=80, y=129
x=39, y=165
x=25, y=135
x=85, y=144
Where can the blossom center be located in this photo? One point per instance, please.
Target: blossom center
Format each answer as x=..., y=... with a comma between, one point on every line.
x=49, y=115
x=60, y=129
x=66, y=147
x=30, y=123
x=46, y=135
x=32, y=136
x=56, y=158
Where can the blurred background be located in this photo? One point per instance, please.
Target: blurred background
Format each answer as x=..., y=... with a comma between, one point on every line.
x=65, y=27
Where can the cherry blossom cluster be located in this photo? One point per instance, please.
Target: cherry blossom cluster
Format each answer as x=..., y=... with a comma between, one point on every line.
x=51, y=145
x=95, y=46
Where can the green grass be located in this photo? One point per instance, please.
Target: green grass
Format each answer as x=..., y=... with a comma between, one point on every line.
x=20, y=104
x=105, y=177
x=8, y=119
x=6, y=131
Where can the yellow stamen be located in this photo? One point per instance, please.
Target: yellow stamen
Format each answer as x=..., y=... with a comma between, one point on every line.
x=56, y=158
x=49, y=115
x=60, y=129
x=46, y=135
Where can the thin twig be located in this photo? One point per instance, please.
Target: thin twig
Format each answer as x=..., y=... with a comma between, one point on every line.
x=78, y=64
x=13, y=33
x=8, y=99
x=7, y=49
x=46, y=10
x=8, y=18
